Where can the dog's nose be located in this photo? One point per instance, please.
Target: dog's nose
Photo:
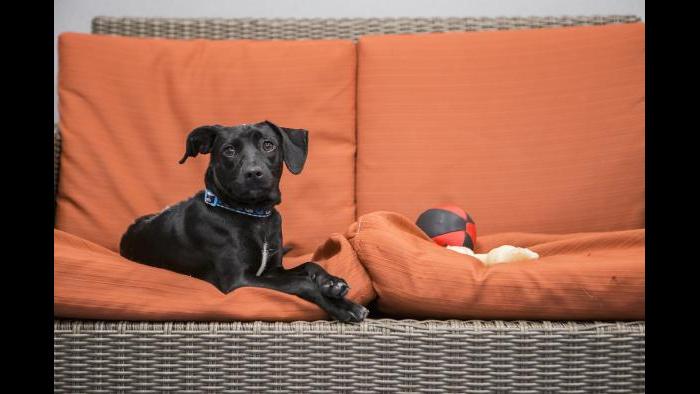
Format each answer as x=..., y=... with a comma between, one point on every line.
x=254, y=173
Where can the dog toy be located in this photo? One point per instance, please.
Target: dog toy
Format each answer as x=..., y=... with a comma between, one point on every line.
x=448, y=225
x=501, y=254
x=452, y=227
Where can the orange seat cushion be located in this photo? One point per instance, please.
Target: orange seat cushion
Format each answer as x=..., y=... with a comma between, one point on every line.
x=584, y=276
x=528, y=130
x=127, y=104
x=93, y=282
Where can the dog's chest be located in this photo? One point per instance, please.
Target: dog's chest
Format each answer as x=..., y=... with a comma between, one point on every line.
x=260, y=243
x=264, y=256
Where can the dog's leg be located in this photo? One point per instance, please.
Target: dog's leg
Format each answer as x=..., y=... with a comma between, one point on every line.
x=299, y=283
x=330, y=286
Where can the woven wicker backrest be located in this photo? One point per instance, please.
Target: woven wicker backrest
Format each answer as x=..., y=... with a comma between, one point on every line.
x=316, y=28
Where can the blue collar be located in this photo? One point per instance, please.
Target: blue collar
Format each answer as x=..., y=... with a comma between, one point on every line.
x=211, y=199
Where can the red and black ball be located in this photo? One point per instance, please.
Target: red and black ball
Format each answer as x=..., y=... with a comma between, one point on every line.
x=448, y=225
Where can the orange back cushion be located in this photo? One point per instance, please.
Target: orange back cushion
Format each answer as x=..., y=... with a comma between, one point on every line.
x=128, y=104
x=527, y=130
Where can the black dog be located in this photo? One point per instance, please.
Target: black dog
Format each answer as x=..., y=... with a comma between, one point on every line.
x=230, y=234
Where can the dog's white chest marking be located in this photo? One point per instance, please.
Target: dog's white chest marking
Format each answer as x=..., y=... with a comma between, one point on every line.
x=263, y=260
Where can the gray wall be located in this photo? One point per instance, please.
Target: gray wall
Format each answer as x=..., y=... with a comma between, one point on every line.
x=75, y=15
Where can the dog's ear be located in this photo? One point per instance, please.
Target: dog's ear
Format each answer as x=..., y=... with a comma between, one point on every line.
x=200, y=140
x=295, y=146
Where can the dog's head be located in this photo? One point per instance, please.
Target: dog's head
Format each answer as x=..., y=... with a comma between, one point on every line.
x=245, y=165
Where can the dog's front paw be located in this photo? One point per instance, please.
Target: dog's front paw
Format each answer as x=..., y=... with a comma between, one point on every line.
x=331, y=286
x=348, y=311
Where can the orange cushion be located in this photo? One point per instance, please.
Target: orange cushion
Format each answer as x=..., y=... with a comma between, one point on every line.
x=127, y=105
x=92, y=282
x=585, y=276
x=528, y=130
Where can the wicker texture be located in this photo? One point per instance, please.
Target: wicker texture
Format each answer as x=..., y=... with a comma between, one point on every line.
x=343, y=28
x=56, y=159
x=374, y=356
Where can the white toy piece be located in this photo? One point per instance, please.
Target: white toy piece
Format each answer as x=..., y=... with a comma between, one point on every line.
x=501, y=254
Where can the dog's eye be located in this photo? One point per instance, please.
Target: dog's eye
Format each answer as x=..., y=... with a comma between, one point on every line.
x=268, y=146
x=229, y=151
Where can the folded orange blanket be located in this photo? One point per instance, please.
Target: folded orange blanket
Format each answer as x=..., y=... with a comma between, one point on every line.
x=588, y=276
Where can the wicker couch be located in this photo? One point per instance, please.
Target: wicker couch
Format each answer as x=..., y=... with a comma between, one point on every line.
x=376, y=355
